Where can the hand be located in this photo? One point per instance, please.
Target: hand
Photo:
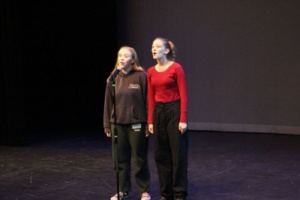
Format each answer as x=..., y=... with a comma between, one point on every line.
x=121, y=66
x=108, y=134
x=150, y=128
x=182, y=127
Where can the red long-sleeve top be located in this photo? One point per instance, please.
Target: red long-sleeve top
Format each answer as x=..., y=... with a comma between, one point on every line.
x=167, y=86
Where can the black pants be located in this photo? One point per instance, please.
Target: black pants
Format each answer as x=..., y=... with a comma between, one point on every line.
x=131, y=141
x=171, y=150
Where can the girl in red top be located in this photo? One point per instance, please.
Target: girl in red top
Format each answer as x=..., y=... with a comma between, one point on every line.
x=167, y=120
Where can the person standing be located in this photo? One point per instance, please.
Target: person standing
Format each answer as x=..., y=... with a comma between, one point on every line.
x=125, y=118
x=167, y=120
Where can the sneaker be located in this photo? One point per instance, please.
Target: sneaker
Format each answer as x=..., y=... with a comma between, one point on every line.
x=145, y=196
x=122, y=196
x=180, y=198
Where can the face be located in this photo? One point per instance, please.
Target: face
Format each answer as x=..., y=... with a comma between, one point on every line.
x=158, y=49
x=125, y=58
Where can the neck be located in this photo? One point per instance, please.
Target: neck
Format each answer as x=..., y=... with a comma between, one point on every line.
x=127, y=69
x=162, y=62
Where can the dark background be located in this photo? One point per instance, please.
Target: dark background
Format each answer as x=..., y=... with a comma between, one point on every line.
x=55, y=57
x=241, y=60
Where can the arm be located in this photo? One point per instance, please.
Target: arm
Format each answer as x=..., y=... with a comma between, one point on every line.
x=108, y=99
x=181, y=81
x=150, y=102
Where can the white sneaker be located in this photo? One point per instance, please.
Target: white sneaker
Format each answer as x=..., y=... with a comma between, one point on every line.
x=122, y=196
x=145, y=196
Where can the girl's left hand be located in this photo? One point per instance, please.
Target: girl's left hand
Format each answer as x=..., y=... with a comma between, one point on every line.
x=182, y=127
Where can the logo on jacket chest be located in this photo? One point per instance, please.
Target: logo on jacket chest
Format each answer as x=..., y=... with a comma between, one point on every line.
x=133, y=86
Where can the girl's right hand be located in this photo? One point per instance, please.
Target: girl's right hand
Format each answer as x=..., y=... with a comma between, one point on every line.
x=108, y=134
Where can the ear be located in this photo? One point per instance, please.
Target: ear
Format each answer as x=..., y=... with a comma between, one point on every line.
x=167, y=50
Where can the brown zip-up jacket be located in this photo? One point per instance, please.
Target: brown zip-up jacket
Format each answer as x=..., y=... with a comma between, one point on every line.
x=130, y=92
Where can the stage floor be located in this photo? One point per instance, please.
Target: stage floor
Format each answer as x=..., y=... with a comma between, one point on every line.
x=222, y=165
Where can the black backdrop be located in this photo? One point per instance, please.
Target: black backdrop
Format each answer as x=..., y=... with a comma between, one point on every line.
x=55, y=57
